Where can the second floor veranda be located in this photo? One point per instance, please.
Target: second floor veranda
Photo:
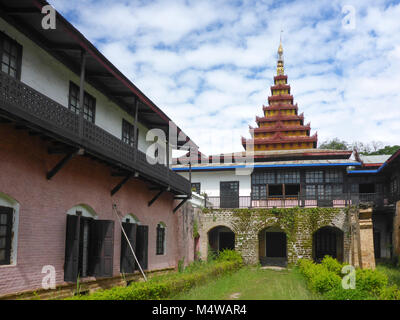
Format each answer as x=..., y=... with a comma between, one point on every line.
x=303, y=200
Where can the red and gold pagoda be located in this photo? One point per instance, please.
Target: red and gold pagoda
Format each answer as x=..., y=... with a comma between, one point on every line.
x=281, y=128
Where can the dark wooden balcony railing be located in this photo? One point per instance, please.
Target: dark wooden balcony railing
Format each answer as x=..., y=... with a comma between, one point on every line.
x=30, y=106
x=301, y=200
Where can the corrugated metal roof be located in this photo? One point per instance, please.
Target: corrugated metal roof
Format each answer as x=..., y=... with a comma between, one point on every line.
x=374, y=158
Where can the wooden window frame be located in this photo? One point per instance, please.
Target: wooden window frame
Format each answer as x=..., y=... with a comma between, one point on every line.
x=160, y=240
x=18, y=62
x=9, y=212
x=128, y=133
x=89, y=103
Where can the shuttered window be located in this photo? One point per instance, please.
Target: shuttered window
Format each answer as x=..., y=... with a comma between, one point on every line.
x=11, y=56
x=89, y=248
x=89, y=103
x=127, y=261
x=142, y=242
x=160, y=240
x=6, y=217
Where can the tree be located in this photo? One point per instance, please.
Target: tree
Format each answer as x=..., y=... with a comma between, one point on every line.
x=334, y=144
x=385, y=150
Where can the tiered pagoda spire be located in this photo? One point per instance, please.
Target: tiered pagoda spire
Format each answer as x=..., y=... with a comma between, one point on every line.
x=281, y=128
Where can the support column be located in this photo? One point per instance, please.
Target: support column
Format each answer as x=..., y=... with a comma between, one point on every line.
x=366, y=254
x=135, y=134
x=82, y=91
x=396, y=231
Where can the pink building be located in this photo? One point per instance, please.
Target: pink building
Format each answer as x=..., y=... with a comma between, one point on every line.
x=69, y=174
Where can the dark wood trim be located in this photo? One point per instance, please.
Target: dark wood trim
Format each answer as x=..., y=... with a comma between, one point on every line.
x=60, y=165
x=180, y=204
x=119, y=185
x=155, y=197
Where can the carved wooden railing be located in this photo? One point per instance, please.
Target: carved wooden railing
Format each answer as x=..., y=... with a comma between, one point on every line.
x=27, y=104
x=302, y=200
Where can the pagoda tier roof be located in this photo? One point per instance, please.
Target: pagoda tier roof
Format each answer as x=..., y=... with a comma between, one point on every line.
x=280, y=77
x=280, y=97
x=279, y=138
x=280, y=86
x=281, y=127
x=280, y=117
x=281, y=106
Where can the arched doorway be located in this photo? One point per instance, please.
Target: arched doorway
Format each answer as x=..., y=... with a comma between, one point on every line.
x=328, y=241
x=220, y=238
x=272, y=247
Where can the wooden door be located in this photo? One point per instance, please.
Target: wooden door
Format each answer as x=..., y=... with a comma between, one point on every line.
x=127, y=263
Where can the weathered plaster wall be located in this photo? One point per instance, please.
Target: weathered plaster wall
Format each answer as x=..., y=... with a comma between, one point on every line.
x=43, y=206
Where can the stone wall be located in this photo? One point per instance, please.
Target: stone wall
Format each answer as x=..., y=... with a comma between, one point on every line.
x=299, y=224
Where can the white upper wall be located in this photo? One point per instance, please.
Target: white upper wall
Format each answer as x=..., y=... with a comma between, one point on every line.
x=47, y=75
x=210, y=181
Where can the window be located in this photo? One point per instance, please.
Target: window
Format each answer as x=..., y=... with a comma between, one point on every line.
x=128, y=133
x=196, y=187
x=89, y=103
x=229, y=194
x=263, y=178
x=333, y=176
x=259, y=192
x=160, y=250
x=11, y=54
x=314, y=177
x=6, y=217
x=89, y=247
x=288, y=177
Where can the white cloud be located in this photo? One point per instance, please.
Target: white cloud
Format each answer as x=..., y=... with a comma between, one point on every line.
x=209, y=64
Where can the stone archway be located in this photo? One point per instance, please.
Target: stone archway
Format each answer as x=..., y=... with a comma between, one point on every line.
x=328, y=240
x=272, y=247
x=221, y=238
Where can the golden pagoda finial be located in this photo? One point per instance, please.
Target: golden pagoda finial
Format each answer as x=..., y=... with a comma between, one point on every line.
x=279, y=68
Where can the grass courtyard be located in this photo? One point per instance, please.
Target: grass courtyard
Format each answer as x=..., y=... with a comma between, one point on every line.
x=253, y=283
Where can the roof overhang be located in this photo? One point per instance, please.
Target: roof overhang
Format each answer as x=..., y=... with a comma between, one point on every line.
x=65, y=43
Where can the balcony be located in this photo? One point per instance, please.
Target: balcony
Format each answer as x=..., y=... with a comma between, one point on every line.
x=301, y=200
x=25, y=105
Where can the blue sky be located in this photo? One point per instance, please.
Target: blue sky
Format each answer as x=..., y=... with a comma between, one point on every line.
x=210, y=64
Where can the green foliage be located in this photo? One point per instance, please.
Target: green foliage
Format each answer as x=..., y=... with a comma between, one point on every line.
x=338, y=293
x=390, y=293
x=211, y=254
x=335, y=144
x=230, y=255
x=372, y=281
x=320, y=279
x=163, y=286
x=324, y=281
x=332, y=265
x=325, y=278
x=181, y=265
x=196, y=233
x=385, y=150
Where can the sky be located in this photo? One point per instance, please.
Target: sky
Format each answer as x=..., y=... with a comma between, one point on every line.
x=209, y=64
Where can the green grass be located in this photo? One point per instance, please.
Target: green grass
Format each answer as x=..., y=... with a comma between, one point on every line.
x=253, y=283
x=392, y=272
